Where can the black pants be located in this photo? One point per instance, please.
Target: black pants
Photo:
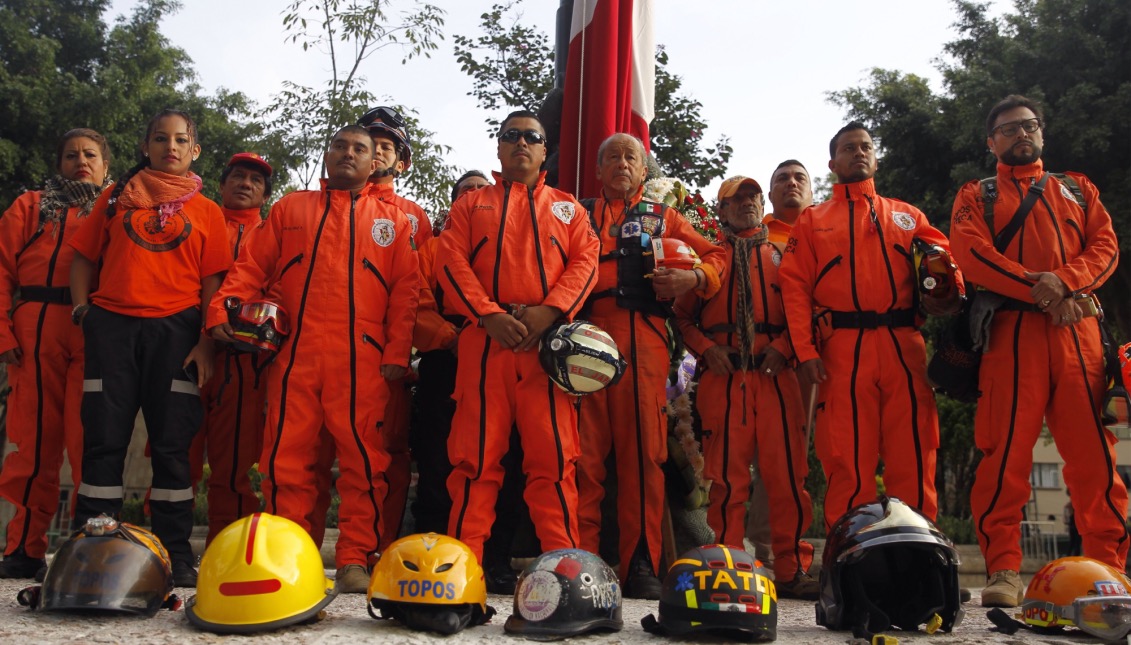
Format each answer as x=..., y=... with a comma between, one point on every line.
x=134, y=363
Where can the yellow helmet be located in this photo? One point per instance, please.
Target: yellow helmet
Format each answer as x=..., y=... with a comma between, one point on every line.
x=107, y=566
x=429, y=582
x=261, y=572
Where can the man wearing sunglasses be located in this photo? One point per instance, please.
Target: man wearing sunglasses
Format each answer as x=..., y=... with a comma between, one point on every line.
x=1043, y=362
x=515, y=258
x=629, y=418
x=392, y=149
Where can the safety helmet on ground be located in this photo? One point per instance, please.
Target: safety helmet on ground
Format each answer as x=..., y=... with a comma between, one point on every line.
x=259, y=326
x=718, y=589
x=886, y=565
x=565, y=593
x=1079, y=592
x=260, y=573
x=429, y=582
x=387, y=121
x=580, y=357
x=107, y=566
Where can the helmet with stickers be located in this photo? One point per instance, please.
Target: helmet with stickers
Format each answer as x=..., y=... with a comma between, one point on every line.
x=580, y=357
x=1079, y=592
x=720, y=589
x=429, y=582
x=565, y=593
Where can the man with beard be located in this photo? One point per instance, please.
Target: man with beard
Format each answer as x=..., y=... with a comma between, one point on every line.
x=1043, y=361
x=849, y=259
x=341, y=264
x=748, y=397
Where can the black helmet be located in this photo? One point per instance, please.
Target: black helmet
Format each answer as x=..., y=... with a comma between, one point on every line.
x=720, y=589
x=107, y=566
x=387, y=121
x=565, y=593
x=886, y=565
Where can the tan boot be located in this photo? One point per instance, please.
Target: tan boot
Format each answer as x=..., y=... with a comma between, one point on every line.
x=1003, y=589
x=352, y=578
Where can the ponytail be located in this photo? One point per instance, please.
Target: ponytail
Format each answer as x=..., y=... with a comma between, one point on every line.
x=111, y=207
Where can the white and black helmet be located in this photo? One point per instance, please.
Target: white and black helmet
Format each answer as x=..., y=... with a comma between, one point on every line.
x=580, y=357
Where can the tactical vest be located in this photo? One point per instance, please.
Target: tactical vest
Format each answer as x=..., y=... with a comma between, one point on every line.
x=634, y=292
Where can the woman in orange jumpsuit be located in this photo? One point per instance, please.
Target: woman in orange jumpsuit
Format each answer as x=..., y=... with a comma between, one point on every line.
x=42, y=348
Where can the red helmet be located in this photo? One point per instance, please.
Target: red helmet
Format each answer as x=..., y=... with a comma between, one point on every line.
x=671, y=253
x=259, y=326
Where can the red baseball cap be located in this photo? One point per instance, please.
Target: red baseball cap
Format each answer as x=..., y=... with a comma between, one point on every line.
x=253, y=159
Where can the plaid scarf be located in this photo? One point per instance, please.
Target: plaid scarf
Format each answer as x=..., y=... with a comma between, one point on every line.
x=744, y=249
x=60, y=194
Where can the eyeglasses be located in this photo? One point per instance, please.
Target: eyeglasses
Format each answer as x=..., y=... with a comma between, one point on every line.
x=386, y=115
x=1010, y=129
x=530, y=136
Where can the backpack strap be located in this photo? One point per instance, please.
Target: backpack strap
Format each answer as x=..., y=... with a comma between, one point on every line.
x=989, y=196
x=589, y=203
x=1074, y=187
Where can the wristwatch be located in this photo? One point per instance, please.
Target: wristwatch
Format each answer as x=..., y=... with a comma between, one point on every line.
x=77, y=313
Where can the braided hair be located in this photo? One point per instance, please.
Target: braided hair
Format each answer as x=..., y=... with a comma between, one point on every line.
x=111, y=207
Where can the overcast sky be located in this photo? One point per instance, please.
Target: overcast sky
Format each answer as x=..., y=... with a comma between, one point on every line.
x=761, y=69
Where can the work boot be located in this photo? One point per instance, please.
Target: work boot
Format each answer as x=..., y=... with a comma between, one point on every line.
x=1003, y=589
x=642, y=582
x=352, y=578
x=184, y=575
x=802, y=587
x=500, y=579
x=17, y=564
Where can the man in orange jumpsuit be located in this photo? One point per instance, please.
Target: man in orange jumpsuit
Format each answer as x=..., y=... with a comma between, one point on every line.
x=850, y=258
x=43, y=350
x=343, y=267
x=515, y=258
x=629, y=417
x=748, y=397
x=1043, y=360
x=790, y=193
x=232, y=435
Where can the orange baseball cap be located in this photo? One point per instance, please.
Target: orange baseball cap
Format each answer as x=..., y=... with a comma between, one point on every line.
x=731, y=185
x=253, y=159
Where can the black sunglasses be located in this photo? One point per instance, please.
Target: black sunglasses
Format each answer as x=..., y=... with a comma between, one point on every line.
x=386, y=115
x=530, y=136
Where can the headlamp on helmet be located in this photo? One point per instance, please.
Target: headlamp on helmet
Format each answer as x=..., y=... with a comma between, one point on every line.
x=580, y=357
x=107, y=566
x=259, y=326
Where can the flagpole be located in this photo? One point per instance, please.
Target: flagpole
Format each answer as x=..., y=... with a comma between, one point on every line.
x=580, y=102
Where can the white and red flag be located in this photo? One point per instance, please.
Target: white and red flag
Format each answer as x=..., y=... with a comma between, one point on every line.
x=610, y=84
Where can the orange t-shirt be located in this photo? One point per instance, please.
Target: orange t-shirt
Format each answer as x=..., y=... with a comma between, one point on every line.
x=149, y=270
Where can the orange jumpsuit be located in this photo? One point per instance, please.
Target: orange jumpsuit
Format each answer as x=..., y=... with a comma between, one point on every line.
x=629, y=417
x=850, y=258
x=43, y=406
x=509, y=245
x=749, y=415
x=777, y=231
x=1034, y=371
x=232, y=433
x=398, y=415
x=346, y=273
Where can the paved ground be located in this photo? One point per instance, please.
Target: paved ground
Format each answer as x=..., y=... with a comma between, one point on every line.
x=347, y=622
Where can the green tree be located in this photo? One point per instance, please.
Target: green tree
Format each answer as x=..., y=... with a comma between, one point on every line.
x=512, y=66
x=349, y=32
x=61, y=67
x=1071, y=55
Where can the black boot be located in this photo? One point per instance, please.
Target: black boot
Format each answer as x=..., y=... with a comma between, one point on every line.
x=184, y=575
x=17, y=564
x=642, y=582
x=500, y=579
